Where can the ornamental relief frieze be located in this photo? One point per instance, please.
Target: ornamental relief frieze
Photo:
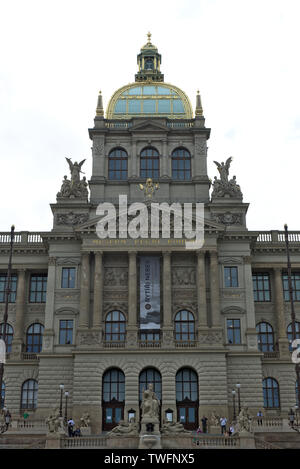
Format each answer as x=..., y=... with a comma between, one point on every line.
x=115, y=277
x=11, y=308
x=210, y=338
x=180, y=295
x=115, y=305
x=189, y=305
x=115, y=295
x=184, y=276
x=233, y=293
x=71, y=297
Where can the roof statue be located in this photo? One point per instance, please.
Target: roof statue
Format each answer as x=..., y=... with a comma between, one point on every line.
x=76, y=187
x=225, y=187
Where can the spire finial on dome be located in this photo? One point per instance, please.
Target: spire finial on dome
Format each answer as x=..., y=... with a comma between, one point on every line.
x=199, y=110
x=99, y=110
x=149, y=37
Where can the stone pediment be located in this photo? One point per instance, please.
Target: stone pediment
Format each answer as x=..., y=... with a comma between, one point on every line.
x=90, y=226
x=149, y=125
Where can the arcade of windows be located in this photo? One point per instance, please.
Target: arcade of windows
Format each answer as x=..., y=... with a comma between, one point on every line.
x=149, y=164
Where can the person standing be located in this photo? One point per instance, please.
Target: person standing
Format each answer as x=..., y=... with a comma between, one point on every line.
x=223, y=421
x=204, y=424
x=259, y=417
x=71, y=424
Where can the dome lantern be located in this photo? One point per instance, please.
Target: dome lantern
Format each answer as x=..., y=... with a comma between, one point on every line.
x=149, y=61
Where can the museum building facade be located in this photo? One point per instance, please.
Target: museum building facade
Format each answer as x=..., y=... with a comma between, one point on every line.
x=106, y=317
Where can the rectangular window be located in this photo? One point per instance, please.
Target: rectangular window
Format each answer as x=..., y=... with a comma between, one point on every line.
x=231, y=276
x=38, y=288
x=68, y=277
x=66, y=331
x=261, y=287
x=295, y=278
x=13, y=288
x=233, y=331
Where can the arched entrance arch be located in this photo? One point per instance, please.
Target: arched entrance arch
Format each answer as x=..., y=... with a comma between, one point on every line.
x=113, y=398
x=187, y=399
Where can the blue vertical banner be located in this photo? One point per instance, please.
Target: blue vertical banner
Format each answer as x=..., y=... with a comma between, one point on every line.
x=150, y=292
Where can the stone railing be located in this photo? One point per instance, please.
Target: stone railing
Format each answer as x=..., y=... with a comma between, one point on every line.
x=28, y=426
x=212, y=442
x=149, y=343
x=269, y=424
x=278, y=237
x=114, y=343
x=23, y=237
x=118, y=124
x=185, y=343
x=178, y=124
x=83, y=442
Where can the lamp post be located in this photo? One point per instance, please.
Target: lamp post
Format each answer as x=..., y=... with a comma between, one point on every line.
x=239, y=397
x=61, y=387
x=233, y=398
x=5, y=317
x=66, y=407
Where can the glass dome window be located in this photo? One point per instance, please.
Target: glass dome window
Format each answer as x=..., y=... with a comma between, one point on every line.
x=161, y=100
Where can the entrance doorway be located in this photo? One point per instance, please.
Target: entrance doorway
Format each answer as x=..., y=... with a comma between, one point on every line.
x=113, y=398
x=187, y=398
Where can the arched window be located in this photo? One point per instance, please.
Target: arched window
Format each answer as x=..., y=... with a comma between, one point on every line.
x=150, y=376
x=8, y=336
x=34, y=338
x=181, y=164
x=117, y=164
x=290, y=334
x=2, y=400
x=149, y=163
x=271, y=393
x=29, y=394
x=265, y=337
x=184, y=326
x=115, y=327
x=113, y=398
x=187, y=398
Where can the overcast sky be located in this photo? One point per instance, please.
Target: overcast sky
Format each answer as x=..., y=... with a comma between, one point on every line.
x=243, y=56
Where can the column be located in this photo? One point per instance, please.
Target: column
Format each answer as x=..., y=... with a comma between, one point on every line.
x=279, y=307
x=167, y=289
x=85, y=290
x=133, y=168
x=20, y=312
x=132, y=290
x=98, y=290
x=168, y=328
x=48, y=337
x=165, y=159
x=201, y=289
x=131, y=333
x=214, y=289
x=251, y=334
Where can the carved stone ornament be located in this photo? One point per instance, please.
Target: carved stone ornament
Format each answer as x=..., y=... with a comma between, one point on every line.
x=76, y=187
x=115, y=277
x=184, y=276
x=224, y=187
x=89, y=338
x=71, y=218
x=201, y=146
x=210, y=338
x=228, y=218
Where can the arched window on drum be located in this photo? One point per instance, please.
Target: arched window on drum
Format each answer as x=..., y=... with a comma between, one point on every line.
x=181, y=164
x=118, y=164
